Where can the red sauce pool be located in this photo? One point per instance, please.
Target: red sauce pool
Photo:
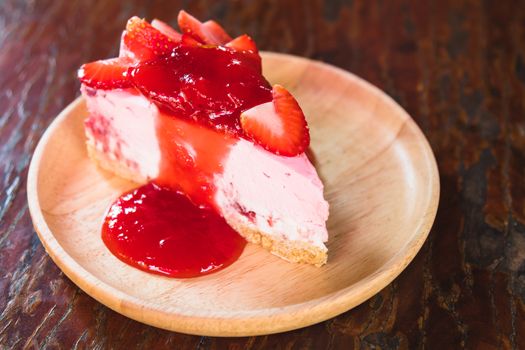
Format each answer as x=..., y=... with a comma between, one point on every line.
x=159, y=230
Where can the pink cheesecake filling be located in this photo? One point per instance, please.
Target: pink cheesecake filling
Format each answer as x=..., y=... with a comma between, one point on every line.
x=279, y=196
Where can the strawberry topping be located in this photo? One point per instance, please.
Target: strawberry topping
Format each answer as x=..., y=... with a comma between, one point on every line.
x=279, y=126
x=216, y=33
x=188, y=40
x=210, y=85
x=205, y=76
x=210, y=32
x=166, y=29
x=106, y=74
x=146, y=42
x=243, y=43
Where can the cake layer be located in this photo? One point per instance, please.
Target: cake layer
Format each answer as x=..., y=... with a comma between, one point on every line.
x=271, y=200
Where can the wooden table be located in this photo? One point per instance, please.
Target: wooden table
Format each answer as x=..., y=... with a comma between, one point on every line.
x=458, y=67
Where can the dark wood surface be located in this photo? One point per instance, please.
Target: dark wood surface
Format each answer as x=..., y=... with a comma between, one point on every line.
x=458, y=67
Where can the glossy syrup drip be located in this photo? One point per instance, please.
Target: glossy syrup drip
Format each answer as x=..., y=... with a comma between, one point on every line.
x=159, y=230
x=191, y=156
x=201, y=92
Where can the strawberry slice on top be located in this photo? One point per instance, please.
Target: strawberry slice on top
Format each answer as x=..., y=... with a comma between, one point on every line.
x=243, y=43
x=106, y=74
x=166, y=29
x=216, y=32
x=145, y=41
x=279, y=126
x=209, y=32
x=188, y=40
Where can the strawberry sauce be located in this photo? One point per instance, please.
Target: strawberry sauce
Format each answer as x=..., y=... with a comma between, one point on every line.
x=191, y=156
x=159, y=230
x=171, y=226
x=208, y=85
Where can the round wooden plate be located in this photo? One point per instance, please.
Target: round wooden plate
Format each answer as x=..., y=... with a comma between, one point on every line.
x=380, y=178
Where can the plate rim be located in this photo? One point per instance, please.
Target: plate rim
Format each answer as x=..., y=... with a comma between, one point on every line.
x=253, y=322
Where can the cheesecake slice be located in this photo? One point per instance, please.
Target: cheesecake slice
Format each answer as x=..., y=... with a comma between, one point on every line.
x=193, y=112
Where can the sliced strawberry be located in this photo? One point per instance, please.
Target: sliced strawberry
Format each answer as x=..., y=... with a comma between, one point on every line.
x=216, y=32
x=145, y=41
x=188, y=40
x=166, y=29
x=279, y=126
x=210, y=32
x=243, y=43
x=106, y=74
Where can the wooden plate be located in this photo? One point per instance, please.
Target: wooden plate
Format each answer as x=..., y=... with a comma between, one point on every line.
x=380, y=178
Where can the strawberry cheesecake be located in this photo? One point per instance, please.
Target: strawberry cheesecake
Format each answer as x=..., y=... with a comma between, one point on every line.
x=190, y=112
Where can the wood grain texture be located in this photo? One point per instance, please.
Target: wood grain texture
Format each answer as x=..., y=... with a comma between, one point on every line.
x=380, y=179
x=458, y=67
